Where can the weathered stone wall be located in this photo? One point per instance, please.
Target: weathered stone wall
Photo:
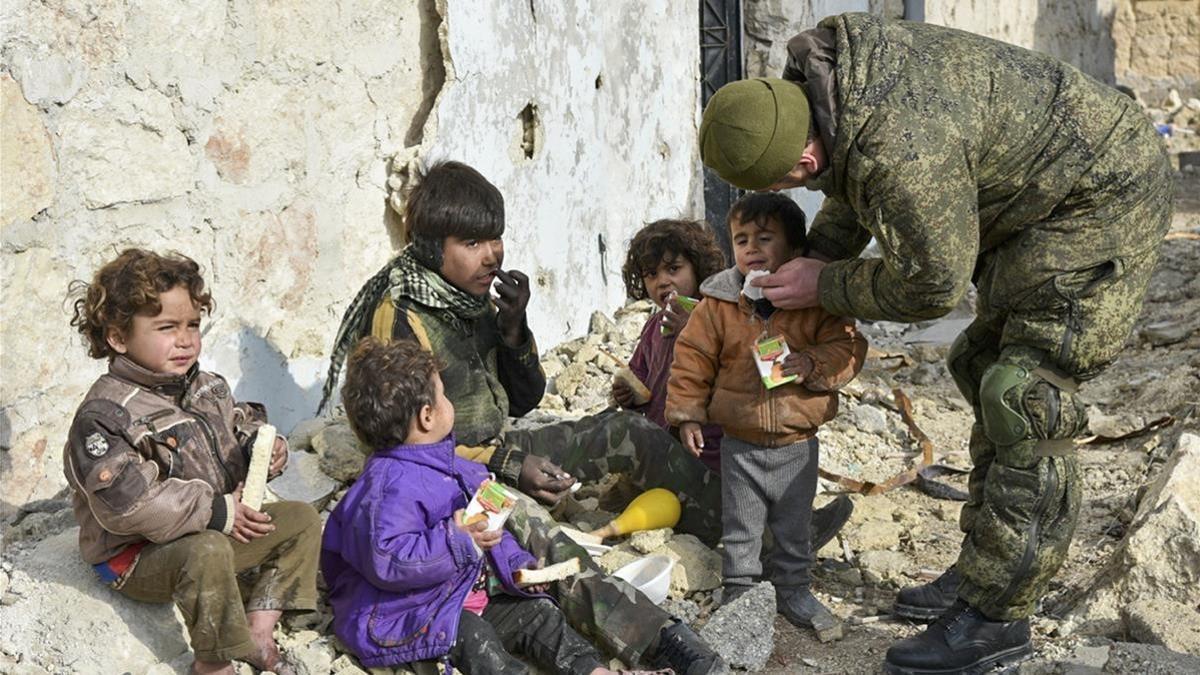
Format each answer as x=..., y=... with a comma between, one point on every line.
x=1158, y=47
x=257, y=138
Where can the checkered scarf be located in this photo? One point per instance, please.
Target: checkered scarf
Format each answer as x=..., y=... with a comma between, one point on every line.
x=402, y=278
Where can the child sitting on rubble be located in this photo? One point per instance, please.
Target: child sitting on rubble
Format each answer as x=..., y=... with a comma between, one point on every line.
x=156, y=456
x=666, y=262
x=769, y=449
x=410, y=578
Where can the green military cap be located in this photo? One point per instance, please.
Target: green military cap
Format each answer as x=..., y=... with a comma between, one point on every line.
x=754, y=131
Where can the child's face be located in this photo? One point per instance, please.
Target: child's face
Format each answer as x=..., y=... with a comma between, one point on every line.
x=442, y=411
x=756, y=248
x=674, y=273
x=471, y=264
x=166, y=342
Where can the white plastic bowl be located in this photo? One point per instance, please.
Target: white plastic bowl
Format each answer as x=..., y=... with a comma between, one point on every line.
x=650, y=575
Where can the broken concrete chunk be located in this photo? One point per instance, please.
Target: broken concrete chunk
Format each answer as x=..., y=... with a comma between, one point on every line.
x=743, y=631
x=869, y=419
x=648, y=541
x=697, y=567
x=342, y=454
x=1171, y=624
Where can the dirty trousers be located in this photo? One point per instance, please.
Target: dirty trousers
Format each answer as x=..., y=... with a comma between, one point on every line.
x=767, y=487
x=616, y=616
x=199, y=573
x=619, y=441
x=1048, y=317
x=530, y=627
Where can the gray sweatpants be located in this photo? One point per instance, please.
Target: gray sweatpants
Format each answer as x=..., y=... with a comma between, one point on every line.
x=771, y=487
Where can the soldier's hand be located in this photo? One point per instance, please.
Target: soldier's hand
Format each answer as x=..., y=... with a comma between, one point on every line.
x=800, y=365
x=692, y=437
x=794, y=284
x=279, y=457
x=247, y=523
x=622, y=393
x=478, y=531
x=543, y=480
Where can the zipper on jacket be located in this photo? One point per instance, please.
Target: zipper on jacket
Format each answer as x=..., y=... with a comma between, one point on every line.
x=1032, y=535
x=211, y=435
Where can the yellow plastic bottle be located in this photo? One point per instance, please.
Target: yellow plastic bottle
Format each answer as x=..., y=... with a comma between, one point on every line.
x=649, y=511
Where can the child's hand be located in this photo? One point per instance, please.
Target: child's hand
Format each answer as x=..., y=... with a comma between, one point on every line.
x=483, y=539
x=622, y=393
x=800, y=365
x=692, y=437
x=512, y=296
x=279, y=457
x=247, y=523
x=675, y=317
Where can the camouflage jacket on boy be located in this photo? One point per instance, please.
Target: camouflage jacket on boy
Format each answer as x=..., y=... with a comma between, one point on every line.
x=487, y=380
x=153, y=457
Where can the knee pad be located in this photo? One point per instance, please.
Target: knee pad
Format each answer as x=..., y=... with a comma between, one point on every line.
x=1020, y=403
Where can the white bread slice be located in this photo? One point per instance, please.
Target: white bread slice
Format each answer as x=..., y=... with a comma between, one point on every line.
x=557, y=572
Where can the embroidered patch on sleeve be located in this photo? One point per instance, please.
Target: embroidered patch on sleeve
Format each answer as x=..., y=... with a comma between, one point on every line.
x=96, y=444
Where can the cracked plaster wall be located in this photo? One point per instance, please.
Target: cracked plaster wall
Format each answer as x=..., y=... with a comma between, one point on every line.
x=257, y=137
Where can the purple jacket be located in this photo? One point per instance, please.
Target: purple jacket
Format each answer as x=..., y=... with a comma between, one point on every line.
x=651, y=362
x=397, y=567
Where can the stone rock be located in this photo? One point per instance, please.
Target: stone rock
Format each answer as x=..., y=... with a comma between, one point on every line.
x=38, y=526
x=1159, y=558
x=600, y=324
x=1127, y=657
x=124, y=145
x=685, y=610
x=302, y=434
x=617, y=558
x=697, y=567
x=342, y=454
x=876, y=535
x=1167, y=332
x=344, y=665
x=1170, y=624
x=27, y=169
x=887, y=565
x=312, y=658
x=743, y=631
x=869, y=419
x=47, y=77
x=568, y=381
x=647, y=541
x=303, y=480
x=96, y=629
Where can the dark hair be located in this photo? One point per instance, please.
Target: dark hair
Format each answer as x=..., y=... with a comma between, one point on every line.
x=760, y=207
x=130, y=285
x=663, y=240
x=387, y=384
x=451, y=200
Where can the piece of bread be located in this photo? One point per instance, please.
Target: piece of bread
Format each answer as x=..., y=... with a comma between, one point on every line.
x=255, y=488
x=557, y=572
x=477, y=518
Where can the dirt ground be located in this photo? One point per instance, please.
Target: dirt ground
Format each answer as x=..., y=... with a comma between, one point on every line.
x=1148, y=382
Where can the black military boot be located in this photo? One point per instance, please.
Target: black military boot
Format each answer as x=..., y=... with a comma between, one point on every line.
x=961, y=642
x=828, y=520
x=928, y=601
x=680, y=649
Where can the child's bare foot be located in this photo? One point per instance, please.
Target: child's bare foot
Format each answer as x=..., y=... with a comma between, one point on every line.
x=211, y=668
x=262, y=633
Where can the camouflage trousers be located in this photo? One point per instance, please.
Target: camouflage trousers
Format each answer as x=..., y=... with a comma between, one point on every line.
x=200, y=573
x=627, y=442
x=606, y=609
x=1046, y=320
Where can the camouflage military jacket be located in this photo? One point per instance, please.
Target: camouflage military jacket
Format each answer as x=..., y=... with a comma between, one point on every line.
x=947, y=145
x=152, y=457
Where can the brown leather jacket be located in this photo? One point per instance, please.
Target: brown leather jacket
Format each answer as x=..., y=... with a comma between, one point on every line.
x=714, y=378
x=152, y=457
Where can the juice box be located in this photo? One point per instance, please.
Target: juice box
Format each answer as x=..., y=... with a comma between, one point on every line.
x=688, y=304
x=769, y=354
x=492, y=501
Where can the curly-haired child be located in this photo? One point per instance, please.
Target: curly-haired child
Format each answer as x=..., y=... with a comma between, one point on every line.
x=156, y=457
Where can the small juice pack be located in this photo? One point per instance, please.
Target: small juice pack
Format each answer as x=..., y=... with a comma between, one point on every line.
x=493, y=502
x=769, y=354
x=688, y=304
